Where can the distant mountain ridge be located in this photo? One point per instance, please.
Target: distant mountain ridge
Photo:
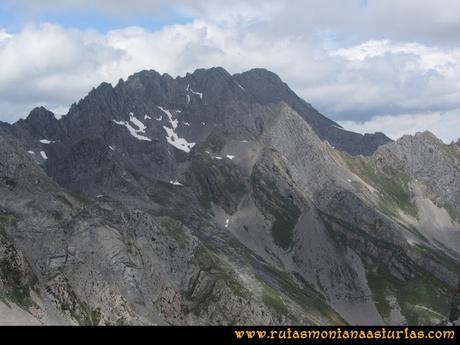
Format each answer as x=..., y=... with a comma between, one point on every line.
x=143, y=88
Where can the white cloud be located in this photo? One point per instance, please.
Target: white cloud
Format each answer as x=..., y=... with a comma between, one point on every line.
x=430, y=57
x=444, y=125
x=237, y=14
x=355, y=20
x=53, y=66
x=47, y=64
x=4, y=35
x=385, y=77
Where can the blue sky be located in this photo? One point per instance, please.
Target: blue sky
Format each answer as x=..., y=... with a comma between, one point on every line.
x=13, y=18
x=367, y=64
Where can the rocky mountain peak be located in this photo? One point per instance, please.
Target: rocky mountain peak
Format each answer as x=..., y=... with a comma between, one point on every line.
x=17, y=169
x=420, y=140
x=41, y=123
x=41, y=117
x=458, y=143
x=426, y=136
x=274, y=90
x=213, y=72
x=206, y=96
x=40, y=114
x=213, y=198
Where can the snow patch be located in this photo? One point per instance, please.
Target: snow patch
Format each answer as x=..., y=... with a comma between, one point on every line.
x=217, y=157
x=244, y=141
x=175, y=183
x=179, y=143
x=110, y=147
x=31, y=152
x=138, y=123
x=43, y=154
x=227, y=221
x=230, y=157
x=46, y=141
x=134, y=132
x=239, y=85
x=186, y=124
x=172, y=137
x=170, y=117
x=146, y=117
x=200, y=94
x=99, y=196
x=189, y=89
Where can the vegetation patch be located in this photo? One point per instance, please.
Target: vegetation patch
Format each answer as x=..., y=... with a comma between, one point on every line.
x=176, y=230
x=272, y=299
x=217, y=182
x=283, y=228
x=15, y=277
x=312, y=302
x=346, y=234
x=81, y=198
x=440, y=257
x=422, y=298
x=394, y=190
x=68, y=302
x=280, y=208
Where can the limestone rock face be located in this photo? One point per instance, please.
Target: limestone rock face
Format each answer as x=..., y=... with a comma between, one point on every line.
x=221, y=199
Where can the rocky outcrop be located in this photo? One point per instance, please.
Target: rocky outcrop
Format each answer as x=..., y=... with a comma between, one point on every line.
x=274, y=91
x=223, y=199
x=72, y=260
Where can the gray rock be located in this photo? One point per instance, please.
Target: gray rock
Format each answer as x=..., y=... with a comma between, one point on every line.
x=220, y=199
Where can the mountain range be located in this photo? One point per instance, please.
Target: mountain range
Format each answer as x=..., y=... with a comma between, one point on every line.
x=221, y=199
